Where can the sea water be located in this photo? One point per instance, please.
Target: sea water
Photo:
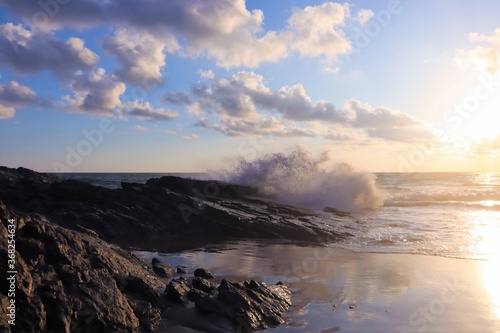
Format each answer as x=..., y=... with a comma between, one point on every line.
x=445, y=214
x=369, y=282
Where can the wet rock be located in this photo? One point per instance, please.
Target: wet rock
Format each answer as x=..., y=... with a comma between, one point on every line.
x=162, y=268
x=171, y=210
x=256, y=304
x=181, y=270
x=203, y=273
x=203, y=285
x=177, y=289
x=67, y=281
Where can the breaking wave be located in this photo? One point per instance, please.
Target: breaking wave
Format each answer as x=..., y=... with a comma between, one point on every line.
x=297, y=178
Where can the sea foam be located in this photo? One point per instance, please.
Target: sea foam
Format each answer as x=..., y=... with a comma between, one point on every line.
x=298, y=178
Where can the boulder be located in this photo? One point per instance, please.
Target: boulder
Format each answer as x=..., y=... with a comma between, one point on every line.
x=203, y=273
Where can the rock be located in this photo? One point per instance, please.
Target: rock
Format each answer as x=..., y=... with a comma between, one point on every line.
x=168, y=212
x=202, y=272
x=177, y=289
x=337, y=212
x=72, y=279
x=203, y=285
x=163, y=269
x=181, y=270
x=67, y=281
x=254, y=303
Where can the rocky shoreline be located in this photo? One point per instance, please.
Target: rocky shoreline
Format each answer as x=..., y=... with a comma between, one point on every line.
x=76, y=274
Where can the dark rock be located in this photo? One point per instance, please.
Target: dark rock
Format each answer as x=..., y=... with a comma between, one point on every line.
x=256, y=304
x=337, y=212
x=203, y=285
x=162, y=268
x=67, y=281
x=181, y=270
x=169, y=211
x=177, y=289
x=195, y=294
x=202, y=272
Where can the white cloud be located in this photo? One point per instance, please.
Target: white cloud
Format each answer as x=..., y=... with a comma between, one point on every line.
x=191, y=136
x=484, y=57
x=95, y=93
x=330, y=70
x=26, y=51
x=140, y=128
x=225, y=31
x=241, y=95
x=208, y=74
x=12, y=96
x=242, y=103
x=7, y=112
x=258, y=126
x=144, y=111
x=317, y=30
x=385, y=123
x=364, y=15
x=141, y=55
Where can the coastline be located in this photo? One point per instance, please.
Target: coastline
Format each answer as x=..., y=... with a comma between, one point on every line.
x=363, y=292
x=69, y=266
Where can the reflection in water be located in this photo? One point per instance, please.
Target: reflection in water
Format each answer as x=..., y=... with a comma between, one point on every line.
x=484, y=233
x=485, y=230
x=334, y=290
x=491, y=275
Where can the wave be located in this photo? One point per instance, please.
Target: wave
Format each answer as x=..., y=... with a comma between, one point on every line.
x=297, y=178
x=480, y=197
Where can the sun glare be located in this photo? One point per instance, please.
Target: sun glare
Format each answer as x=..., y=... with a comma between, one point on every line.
x=485, y=127
x=491, y=272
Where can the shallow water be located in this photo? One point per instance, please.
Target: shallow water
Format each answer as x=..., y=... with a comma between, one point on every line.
x=341, y=291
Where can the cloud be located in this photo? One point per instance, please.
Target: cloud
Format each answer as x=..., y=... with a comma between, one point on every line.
x=316, y=30
x=330, y=69
x=364, y=15
x=484, y=57
x=95, y=93
x=244, y=105
x=385, y=123
x=487, y=145
x=26, y=51
x=7, y=112
x=144, y=111
x=178, y=98
x=253, y=127
x=208, y=74
x=12, y=96
x=242, y=94
x=141, y=55
x=225, y=31
x=191, y=136
x=140, y=128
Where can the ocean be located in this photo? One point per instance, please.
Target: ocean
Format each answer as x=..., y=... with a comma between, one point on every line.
x=445, y=214
x=424, y=255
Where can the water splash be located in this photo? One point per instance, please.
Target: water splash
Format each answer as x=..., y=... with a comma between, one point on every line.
x=298, y=178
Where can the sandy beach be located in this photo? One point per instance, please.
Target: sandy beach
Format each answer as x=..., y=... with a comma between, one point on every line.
x=339, y=291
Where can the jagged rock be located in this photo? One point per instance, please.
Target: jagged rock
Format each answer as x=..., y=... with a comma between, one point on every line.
x=203, y=285
x=170, y=211
x=181, y=270
x=162, y=268
x=70, y=279
x=177, y=289
x=252, y=302
x=203, y=273
x=67, y=281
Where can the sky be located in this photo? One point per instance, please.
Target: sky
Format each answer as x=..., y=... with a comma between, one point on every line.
x=188, y=85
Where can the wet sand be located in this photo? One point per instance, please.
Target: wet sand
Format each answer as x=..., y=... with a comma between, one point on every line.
x=339, y=291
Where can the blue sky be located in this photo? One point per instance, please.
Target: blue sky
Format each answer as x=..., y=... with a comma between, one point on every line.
x=178, y=86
